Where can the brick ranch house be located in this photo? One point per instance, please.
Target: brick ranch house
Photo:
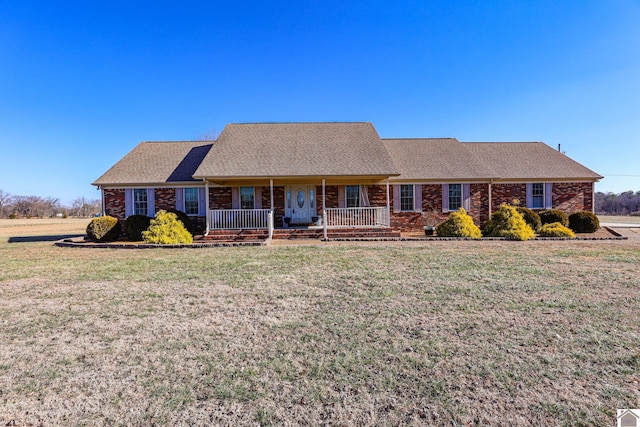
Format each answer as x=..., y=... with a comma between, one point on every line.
x=338, y=175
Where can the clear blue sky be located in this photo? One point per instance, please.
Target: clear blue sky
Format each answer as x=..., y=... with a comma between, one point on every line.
x=82, y=82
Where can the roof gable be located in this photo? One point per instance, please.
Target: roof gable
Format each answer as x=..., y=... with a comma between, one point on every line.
x=297, y=149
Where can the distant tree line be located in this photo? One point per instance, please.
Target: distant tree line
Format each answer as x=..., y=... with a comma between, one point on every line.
x=45, y=207
x=627, y=203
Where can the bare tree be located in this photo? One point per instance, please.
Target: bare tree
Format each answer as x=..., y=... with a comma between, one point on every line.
x=84, y=207
x=5, y=203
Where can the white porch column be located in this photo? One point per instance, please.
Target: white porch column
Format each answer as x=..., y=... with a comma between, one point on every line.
x=388, y=206
x=324, y=212
x=206, y=203
x=271, y=189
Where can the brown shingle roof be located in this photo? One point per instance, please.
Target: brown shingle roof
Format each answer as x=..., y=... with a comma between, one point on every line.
x=435, y=159
x=528, y=160
x=157, y=162
x=297, y=149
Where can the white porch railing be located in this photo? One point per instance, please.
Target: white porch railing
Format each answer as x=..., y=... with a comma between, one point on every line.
x=241, y=219
x=357, y=217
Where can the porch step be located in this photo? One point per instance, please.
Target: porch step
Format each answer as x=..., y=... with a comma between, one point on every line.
x=301, y=233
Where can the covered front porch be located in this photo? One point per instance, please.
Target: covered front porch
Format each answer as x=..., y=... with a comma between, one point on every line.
x=321, y=206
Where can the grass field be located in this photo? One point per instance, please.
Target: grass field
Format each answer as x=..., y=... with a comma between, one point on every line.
x=435, y=333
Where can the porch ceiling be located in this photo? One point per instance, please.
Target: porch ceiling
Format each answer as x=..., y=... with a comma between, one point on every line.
x=309, y=180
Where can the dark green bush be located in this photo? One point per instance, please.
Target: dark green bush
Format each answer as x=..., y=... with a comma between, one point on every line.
x=530, y=217
x=104, y=229
x=554, y=215
x=555, y=229
x=183, y=218
x=584, y=222
x=134, y=225
x=508, y=223
x=459, y=224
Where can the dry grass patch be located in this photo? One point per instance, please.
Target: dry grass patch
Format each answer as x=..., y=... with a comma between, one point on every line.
x=476, y=333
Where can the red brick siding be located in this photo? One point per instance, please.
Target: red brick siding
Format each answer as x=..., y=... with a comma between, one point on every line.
x=331, y=197
x=507, y=193
x=165, y=198
x=572, y=196
x=220, y=198
x=114, y=203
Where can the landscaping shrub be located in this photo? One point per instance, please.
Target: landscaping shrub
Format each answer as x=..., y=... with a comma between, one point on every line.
x=555, y=229
x=104, y=229
x=507, y=222
x=531, y=217
x=134, y=225
x=584, y=222
x=183, y=218
x=554, y=215
x=459, y=224
x=166, y=229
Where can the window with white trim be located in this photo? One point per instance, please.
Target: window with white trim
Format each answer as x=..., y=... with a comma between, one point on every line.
x=140, y=201
x=406, y=197
x=247, y=198
x=353, y=196
x=537, y=195
x=455, y=197
x=191, y=201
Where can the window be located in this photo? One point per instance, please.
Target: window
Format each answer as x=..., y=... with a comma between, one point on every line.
x=537, y=195
x=247, y=199
x=455, y=197
x=406, y=197
x=191, y=197
x=140, y=201
x=353, y=196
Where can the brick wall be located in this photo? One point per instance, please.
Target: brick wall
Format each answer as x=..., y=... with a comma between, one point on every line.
x=114, y=203
x=165, y=198
x=572, y=196
x=506, y=193
x=220, y=198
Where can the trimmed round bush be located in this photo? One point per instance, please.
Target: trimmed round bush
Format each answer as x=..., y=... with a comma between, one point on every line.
x=531, y=217
x=459, y=224
x=134, y=225
x=166, y=229
x=553, y=215
x=104, y=229
x=183, y=218
x=584, y=222
x=555, y=229
x=508, y=223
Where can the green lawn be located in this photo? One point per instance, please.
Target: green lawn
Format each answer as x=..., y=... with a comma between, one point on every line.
x=479, y=333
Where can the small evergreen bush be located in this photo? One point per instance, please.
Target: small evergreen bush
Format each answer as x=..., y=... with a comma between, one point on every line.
x=134, y=225
x=508, y=223
x=531, y=217
x=554, y=215
x=104, y=229
x=183, y=218
x=459, y=224
x=166, y=229
x=555, y=229
x=584, y=222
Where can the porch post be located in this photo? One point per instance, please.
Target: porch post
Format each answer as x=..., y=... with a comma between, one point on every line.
x=273, y=209
x=206, y=203
x=324, y=211
x=388, y=208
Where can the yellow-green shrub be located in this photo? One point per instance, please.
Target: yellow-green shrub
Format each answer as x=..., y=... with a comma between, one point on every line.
x=166, y=229
x=459, y=224
x=508, y=223
x=555, y=229
x=104, y=229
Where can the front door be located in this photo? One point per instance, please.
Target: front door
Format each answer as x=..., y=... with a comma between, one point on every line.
x=302, y=203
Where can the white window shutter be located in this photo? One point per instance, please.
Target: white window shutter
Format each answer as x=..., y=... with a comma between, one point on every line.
x=548, y=195
x=151, y=202
x=180, y=199
x=529, y=195
x=128, y=202
x=417, y=197
x=202, y=201
x=342, y=197
x=257, y=194
x=466, y=197
x=235, y=198
x=396, y=198
x=445, y=197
